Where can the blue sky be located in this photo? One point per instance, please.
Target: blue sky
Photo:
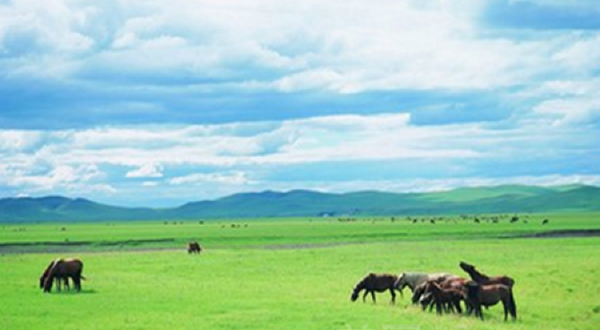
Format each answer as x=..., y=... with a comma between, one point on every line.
x=156, y=103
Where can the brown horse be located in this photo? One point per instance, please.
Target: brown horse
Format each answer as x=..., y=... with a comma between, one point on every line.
x=423, y=292
x=489, y=295
x=59, y=280
x=375, y=282
x=194, y=247
x=62, y=269
x=449, y=297
x=484, y=279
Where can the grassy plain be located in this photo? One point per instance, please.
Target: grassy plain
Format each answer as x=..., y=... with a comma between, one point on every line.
x=291, y=274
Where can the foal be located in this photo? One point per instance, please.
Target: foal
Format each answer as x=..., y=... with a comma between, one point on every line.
x=375, y=282
x=449, y=297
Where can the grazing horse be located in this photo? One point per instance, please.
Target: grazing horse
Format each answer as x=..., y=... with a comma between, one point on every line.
x=62, y=269
x=488, y=295
x=59, y=280
x=375, y=282
x=449, y=297
x=484, y=279
x=194, y=247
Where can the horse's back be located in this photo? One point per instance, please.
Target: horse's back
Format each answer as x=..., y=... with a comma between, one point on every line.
x=70, y=266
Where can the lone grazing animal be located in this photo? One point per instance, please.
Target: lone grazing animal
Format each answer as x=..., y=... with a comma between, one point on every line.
x=488, y=295
x=484, y=279
x=62, y=269
x=375, y=282
x=545, y=222
x=194, y=247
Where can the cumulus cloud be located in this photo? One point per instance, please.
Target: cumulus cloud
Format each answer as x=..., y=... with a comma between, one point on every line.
x=302, y=46
x=226, y=178
x=146, y=171
x=118, y=95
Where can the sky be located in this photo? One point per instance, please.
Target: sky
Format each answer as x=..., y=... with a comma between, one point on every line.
x=157, y=103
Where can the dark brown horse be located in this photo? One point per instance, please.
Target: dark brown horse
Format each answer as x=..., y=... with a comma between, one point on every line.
x=194, y=247
x=375, y=282
x=484, y=279
x=446, y=297
x=489, y=295
x=423, y=292
x=62, y=269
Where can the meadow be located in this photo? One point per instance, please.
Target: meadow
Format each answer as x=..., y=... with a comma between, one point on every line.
x=292, y=273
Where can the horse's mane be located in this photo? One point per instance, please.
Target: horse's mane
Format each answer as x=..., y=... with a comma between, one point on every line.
x=360, y=285
x=48, y=273
x=472, y=271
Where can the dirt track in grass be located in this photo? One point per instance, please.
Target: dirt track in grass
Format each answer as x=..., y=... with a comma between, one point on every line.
x=130, y=245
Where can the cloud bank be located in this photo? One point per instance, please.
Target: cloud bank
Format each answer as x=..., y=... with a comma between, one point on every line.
x=159, y=102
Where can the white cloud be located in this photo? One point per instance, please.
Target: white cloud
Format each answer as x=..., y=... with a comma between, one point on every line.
x=570, y=110
x=432, y=185
x=340, y=46
x=146, y=171
x=227, y=178
x=80, y=178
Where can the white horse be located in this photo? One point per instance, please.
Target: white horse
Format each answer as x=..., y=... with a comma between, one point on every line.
x=412, y=280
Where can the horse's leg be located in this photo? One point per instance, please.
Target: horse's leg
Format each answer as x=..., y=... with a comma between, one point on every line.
x=393, y=295
x=365, y=295
x=457, y=305
x=373, y=296
x=77, y=283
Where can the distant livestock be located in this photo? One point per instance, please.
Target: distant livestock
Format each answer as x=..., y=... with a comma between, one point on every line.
x=194, y=247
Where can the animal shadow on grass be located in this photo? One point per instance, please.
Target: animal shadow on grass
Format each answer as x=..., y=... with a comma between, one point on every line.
x=74, y=293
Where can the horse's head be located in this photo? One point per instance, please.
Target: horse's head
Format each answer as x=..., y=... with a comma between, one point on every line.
x=354, y=295
x=466, y=267
x=48, y=283
x=400, y=283
x=42, y=280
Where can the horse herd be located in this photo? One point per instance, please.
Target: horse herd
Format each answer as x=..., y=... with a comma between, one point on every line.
x=445, y=291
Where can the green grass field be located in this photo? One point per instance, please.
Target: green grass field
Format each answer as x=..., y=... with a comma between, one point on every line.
x=291, y=274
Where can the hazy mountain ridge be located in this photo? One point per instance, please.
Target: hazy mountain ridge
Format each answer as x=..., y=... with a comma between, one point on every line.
x=575, y=198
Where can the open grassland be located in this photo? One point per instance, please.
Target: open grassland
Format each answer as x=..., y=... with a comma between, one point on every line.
x=243, y=233
x=304, y=284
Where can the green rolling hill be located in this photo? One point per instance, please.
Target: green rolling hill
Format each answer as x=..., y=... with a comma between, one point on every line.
x=301, y=203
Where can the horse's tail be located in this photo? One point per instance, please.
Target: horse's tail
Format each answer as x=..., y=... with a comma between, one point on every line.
x=511, y=304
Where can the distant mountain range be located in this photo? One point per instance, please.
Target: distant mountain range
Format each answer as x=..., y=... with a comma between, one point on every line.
x=304, y=203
